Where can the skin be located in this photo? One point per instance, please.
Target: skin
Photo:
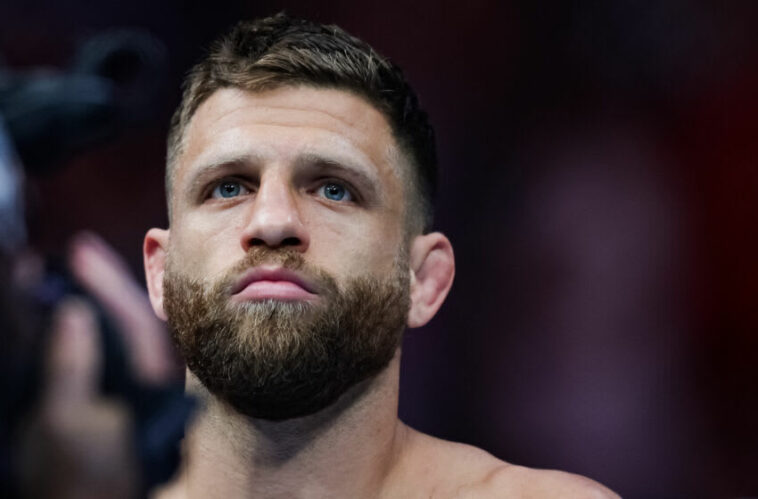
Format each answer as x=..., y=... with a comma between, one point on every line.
x=283, y=146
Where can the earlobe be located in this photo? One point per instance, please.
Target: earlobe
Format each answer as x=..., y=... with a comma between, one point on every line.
x=432, y=272
x=154, y=252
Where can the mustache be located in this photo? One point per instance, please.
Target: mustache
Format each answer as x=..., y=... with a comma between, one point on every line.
x=260, y=255
x=287, y=258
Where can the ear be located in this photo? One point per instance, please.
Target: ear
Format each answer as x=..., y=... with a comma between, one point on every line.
x=154, y=251
x=432, y=271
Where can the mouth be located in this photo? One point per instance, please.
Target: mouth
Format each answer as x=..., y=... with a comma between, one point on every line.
x=273, y=283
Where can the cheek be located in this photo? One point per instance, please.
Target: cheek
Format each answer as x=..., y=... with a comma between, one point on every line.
x=362, y=245
x=204, y=248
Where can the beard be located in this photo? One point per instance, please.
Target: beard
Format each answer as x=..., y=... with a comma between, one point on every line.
x=278, y=360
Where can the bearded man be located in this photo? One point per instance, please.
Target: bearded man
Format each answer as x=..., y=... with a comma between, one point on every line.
x=299, y=180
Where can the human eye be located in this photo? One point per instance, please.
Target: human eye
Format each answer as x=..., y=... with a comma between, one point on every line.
x=335, y=191
x=228, y=188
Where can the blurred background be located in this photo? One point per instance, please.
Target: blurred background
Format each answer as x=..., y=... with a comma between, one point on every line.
x=598, y=180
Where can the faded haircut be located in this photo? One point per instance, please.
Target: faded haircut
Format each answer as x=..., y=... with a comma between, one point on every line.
x=283, y=51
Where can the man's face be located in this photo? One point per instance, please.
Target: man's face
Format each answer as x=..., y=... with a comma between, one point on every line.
x=287, y=278
x=311, y=169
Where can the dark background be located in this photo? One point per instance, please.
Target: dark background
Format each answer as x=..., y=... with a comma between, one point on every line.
x=598, y=182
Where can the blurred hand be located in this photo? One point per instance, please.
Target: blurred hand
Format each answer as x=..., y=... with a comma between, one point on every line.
x=78, y=445
x=106, y=277
x=81, y=444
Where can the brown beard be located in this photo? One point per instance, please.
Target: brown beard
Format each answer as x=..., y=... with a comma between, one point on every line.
x=278, y=360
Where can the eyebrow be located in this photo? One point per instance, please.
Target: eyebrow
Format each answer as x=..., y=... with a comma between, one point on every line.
x=364, y=177
x=210, y=169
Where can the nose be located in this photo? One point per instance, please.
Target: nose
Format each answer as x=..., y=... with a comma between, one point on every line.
x=274, y=219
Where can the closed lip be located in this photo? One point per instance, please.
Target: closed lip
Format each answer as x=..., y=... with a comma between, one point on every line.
x=266, y=273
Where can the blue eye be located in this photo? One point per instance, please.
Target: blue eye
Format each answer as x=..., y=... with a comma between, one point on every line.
x=227, y=189
x=335, y=192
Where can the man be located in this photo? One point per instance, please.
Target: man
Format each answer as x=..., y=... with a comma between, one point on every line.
x=299, y=178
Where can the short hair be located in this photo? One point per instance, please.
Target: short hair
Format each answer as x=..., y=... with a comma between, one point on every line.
x=281, y=51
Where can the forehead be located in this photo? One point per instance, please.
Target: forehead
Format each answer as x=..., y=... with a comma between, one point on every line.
x=281, y=124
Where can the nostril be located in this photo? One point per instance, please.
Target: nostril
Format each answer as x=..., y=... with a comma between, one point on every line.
x=290, y=241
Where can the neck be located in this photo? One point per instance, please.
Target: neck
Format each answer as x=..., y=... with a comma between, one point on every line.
x=345, y=450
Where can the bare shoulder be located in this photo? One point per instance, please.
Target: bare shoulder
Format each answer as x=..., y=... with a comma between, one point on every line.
x=462, y=471
x=517, y=481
